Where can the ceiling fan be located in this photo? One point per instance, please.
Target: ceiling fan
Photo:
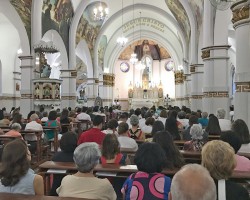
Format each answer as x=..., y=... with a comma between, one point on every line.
x=222, y=4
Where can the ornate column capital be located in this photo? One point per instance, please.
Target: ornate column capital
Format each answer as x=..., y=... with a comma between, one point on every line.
x=240, y=10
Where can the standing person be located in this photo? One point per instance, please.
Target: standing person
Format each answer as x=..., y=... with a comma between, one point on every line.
x=94, y=134
x=52, y=122
x=84, y=184
x=150, y=160
x=192, y=182
x=219, y=159
x=15, y=173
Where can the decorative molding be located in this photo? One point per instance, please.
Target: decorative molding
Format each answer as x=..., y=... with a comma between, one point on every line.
x=243, y=87
x=179, y=77
x=73, y=74
x=205, y=54
x=180, y=99
x=26, y=96
x=25, y=57
x=9, y=98
x=240, y=14
x=192, y=69
x=68, y=98
x=220, y=94
x=196, y=97
x=109, y=79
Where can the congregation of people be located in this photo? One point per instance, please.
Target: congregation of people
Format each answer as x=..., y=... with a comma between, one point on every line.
x=151, y=133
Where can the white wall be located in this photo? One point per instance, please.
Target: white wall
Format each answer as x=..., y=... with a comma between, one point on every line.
x=122, y=79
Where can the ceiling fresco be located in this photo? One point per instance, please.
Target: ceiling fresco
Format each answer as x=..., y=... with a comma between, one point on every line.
x=197, y=7
x=126, y=54
x=181, y=16
x=23, y=8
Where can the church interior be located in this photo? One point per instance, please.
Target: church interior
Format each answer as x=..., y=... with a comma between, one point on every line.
x=145, y=71
x=63, y=54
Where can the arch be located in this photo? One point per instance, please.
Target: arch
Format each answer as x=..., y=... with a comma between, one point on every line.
x=116, y=15
x=58, y=42
x=1, y=79
x=82, y=51
x=9, y=11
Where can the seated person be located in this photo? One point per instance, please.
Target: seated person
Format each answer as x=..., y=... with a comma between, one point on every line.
x=45, y=117
x=186, y=134
x=192, y=182
x=174, y=159
x=147, y=128
x=135, y=132
x=225, y=124
x=218, y=157
x=242, y=163
x=15, y=173
x=94, y=134
x=32, y=125
x=203, y=120
x=150, y=160
x=15, y=130
x=68, y=143
x=197, y=142
x=111, y=151
x=52, y=122
x=111, y=127
x=124, y=140
x=172, y=127
x=84, y=184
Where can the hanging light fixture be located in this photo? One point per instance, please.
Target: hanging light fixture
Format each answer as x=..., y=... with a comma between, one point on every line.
x=122, y=40
x=133, y=59
x=140, y=65
x=100, y=12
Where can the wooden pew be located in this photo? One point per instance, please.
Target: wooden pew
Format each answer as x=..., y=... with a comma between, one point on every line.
x=38, y=142
x=9, y=196
x=56, y=132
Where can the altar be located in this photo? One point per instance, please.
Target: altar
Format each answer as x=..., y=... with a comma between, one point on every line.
x=139, y=103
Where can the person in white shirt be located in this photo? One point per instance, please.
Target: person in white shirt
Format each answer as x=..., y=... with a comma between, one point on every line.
x=124, y=139
x=45, y=117
x=111, y=127
x=225, y=124
x=31, y=138
x=83, y=115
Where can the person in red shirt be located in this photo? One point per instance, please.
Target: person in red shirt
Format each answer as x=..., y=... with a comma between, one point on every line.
x=94, y=134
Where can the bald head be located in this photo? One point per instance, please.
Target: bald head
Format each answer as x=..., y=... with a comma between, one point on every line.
x=193, y=182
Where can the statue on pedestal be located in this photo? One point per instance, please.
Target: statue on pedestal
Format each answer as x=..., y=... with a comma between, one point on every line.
x=45, y=68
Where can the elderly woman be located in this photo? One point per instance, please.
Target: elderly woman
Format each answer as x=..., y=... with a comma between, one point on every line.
x=15, y=130
x=84, y=184
x=197, y=142
x=135, y=132
x=218, y=157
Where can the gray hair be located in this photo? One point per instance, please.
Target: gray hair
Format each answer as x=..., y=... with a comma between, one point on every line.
x=204, y=114
x=34, y=117
x=193, y=182
x=221, y=113
x=134, y=120
x=86, y=156
x=16, y=127
x=196, y=132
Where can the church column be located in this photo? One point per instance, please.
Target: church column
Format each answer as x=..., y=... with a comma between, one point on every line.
x=196, y=71
x=68, y=91
x=92, y=90
x=215, y=88
x=241, y=22
x=17, y=84
x=179, y=87
x=107, y=88
x=27, y=74
x=187, y=85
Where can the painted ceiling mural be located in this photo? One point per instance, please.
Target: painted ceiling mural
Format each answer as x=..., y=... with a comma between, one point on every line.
x=181, y=16
x=23, y=8
x=126, y=54
x=88, y=28
x=57, y=15
x=197, y=7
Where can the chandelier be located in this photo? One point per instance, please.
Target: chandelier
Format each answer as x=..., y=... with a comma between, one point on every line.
x=133, y=59
x=140, y=65
x=122, y=40
x=45, y=47
x=100, y=12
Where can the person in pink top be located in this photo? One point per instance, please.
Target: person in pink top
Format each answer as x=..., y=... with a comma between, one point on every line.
x=15, y=130
x=94, y=134
x=242, y=163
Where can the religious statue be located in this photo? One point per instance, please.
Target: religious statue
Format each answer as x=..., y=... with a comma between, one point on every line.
x=146, y=48
x=45, y=68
